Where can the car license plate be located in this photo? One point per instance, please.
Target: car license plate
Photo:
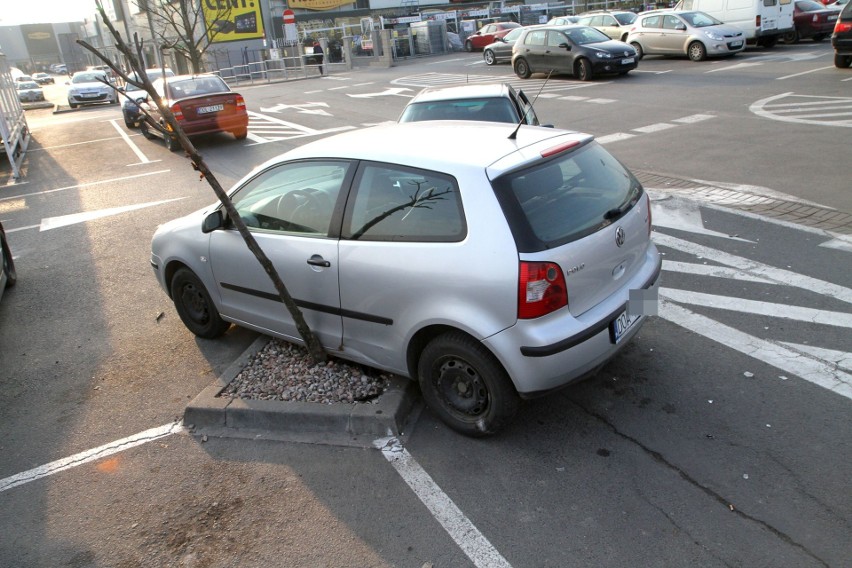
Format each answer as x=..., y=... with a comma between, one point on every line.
x=211, y=108
x=627, y=61
x=769, y=25
x=88, y=95
x=621, y=325
x=736, y=43
x=832, y=18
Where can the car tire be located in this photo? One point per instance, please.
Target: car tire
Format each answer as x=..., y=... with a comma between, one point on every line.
x=489, y=58
x=8, y=262
x=818, y=38
x=696, y=51
x=72, y=105
x=468, y=46
x=842, y=61
x=240, y=134
x=583, y=70
x=195, y=307
x=172, y=143
x=129, y=123
x=790, y=37
x=465, y=385
x=639, y=53
x=769, y=41
x=522, y=68
x=144, y=130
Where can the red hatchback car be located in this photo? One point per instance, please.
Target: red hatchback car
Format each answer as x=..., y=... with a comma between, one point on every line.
x=811, y=20
x=202, y=104
x=488, y=34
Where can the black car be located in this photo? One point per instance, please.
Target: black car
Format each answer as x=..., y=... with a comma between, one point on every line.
x=581, y=51
x=841, y=39
x=8, y=276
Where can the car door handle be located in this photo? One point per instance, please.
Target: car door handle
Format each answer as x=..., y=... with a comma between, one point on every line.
x=317, y=260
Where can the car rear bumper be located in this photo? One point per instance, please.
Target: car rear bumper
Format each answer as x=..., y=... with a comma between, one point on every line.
x=550, y=352
x=217, y=124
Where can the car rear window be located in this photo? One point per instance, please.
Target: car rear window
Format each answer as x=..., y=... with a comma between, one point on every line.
x=564, y=199
x=488, y=109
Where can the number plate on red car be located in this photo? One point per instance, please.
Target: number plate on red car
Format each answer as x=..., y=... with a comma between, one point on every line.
x=208, y=109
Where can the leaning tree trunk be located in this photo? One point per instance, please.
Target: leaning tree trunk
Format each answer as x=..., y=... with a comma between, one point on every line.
x=315, y=348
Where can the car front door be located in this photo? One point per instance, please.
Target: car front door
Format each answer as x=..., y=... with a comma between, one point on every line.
x=560, y=52
x=290, y=210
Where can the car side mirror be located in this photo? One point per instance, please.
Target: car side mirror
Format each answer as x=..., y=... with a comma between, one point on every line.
x=213, y=221
x=141, y=100
x=566, y=45
x=680, y=28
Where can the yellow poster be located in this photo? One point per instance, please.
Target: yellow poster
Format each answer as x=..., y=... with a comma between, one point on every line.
x=319, y=4
x=232, y=20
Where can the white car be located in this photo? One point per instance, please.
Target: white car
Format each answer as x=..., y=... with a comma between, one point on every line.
x=29, y=91
x=490, y=266
x=90, y=87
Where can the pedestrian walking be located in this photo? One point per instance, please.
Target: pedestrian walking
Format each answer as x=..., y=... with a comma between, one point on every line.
x=318, y=55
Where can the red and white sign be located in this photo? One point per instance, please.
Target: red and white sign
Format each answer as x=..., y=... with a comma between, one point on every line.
x=290, y=33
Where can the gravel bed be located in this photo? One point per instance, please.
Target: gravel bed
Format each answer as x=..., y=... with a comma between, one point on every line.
x=283, y=371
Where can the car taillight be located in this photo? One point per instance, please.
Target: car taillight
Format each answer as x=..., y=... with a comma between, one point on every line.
x=177, y=112
x=541, y=289
x=757, y=21
x=842, y=27
x=241, y=103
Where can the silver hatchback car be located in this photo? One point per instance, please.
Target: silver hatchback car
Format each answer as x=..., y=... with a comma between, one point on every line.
x=694, y=34
x=491, y=267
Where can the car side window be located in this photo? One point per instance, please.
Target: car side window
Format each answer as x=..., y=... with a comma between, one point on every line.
x=298, y=197
x=671, y=23
x=555, y=38
x=395, y=203
x=652, y=22
x=609, y=21
x=537, y=37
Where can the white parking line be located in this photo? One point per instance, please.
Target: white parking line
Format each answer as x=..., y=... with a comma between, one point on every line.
x=90, y=455
x=712, y=271
x=480, y=551
x=769, y=309
x=618, y=136
x=82, y=185
x=143, y=159
x=803, y=73
x=658, y=127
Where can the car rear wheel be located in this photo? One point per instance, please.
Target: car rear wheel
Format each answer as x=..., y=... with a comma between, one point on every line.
x=468, y=46
x=240, y=134
x=697, y=51
x=489, y=57
x=8, y=263
x=466, y=386
x=842, y=61
x=522, y=69
x=194, y=306
x=72, y=105
x=639, y=53
x=583, y=70
x=790, y=37
x=143, y=128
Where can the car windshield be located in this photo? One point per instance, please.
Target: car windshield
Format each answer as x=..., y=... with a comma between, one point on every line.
x=585, y=35
x=809, y=6
x=196, y=86
x=486, y=109
x=565, y=199
x=625, y=19
x=153, y=75
x=88, y=78
x=513, y=35
x=699, y=19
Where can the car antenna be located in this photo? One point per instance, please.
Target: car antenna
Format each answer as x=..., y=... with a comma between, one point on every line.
x=514, y=133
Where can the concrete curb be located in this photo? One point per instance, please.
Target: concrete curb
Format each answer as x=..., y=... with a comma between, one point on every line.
x=336, y=424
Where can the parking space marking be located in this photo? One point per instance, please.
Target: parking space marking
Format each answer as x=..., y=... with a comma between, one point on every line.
x=712, y=271
x=658, y=127
x=90, y=455
x=805, y=109
x=49, y=223
x=618, y=136
x=143, y=159
x=813, y=370
x=472, y=542
x=803, y=73
x=82, y=185
x=693, y=118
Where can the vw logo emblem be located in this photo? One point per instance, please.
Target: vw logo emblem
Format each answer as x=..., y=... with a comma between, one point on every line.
x=619, y=236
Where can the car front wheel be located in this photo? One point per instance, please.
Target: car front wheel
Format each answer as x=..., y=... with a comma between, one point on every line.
x=195, y=307
x=697, y=51
x=638, y=48
x=466, y=386
x=172, y=143
x=583, y=70
x=790, y=37
x=522, y=69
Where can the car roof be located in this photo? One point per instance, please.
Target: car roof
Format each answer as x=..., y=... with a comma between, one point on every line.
x=475, y=91
x=484, y=145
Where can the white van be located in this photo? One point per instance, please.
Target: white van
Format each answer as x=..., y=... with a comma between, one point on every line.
x=762, y=21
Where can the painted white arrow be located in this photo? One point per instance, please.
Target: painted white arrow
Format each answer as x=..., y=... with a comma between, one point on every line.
x=304, y=108
x=396, y=91
x=65, y=220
